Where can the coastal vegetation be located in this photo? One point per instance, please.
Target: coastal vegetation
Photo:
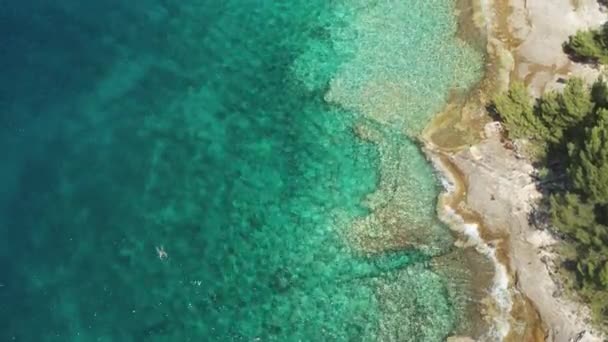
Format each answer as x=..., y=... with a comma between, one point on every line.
x=589, y=46
x=568, y=135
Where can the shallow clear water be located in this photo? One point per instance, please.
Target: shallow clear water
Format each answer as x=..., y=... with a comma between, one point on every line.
x=229, y=135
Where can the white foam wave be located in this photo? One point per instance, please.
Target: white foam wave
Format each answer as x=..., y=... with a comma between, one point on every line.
x=447, y=184
x=499, y=291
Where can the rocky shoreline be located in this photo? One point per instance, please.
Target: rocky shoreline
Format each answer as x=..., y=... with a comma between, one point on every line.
x=493, y=190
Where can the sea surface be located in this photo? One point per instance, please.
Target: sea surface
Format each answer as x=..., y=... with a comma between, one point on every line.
x=230, y=170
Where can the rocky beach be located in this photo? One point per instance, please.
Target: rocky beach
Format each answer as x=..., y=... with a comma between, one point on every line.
x=494, y=191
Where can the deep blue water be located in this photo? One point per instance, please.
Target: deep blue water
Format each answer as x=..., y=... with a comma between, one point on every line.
x=201, y=129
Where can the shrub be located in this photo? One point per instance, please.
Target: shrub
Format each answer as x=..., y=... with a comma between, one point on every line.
x=516, y=109
x=589, y=46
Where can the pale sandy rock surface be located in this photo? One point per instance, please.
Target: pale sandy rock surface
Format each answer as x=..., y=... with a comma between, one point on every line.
x=525, y=39
x=541, y=27
x=499, y=185
x=459, y=339
x=500, y=188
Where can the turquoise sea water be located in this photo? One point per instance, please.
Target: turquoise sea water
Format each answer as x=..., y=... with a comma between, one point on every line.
x=262, y=145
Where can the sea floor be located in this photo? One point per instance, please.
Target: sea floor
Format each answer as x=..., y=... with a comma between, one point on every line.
x=226, y=171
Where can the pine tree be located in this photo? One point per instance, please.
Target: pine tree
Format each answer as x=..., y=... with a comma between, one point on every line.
x=589, y=45
x=572, y=216
x=599, y=93
x=576, y=118
x=550, y=110
x=576, y=102
x=603, y=276
x=589, y=162
x=516, y=109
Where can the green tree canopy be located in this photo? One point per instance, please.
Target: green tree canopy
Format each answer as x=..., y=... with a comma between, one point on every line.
x=562, y=111
x=516, y=108
x=589, y=45
x=589, y=162
x=571, y=216
x=599, y=93
x=575, y=102
x=576, y=118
